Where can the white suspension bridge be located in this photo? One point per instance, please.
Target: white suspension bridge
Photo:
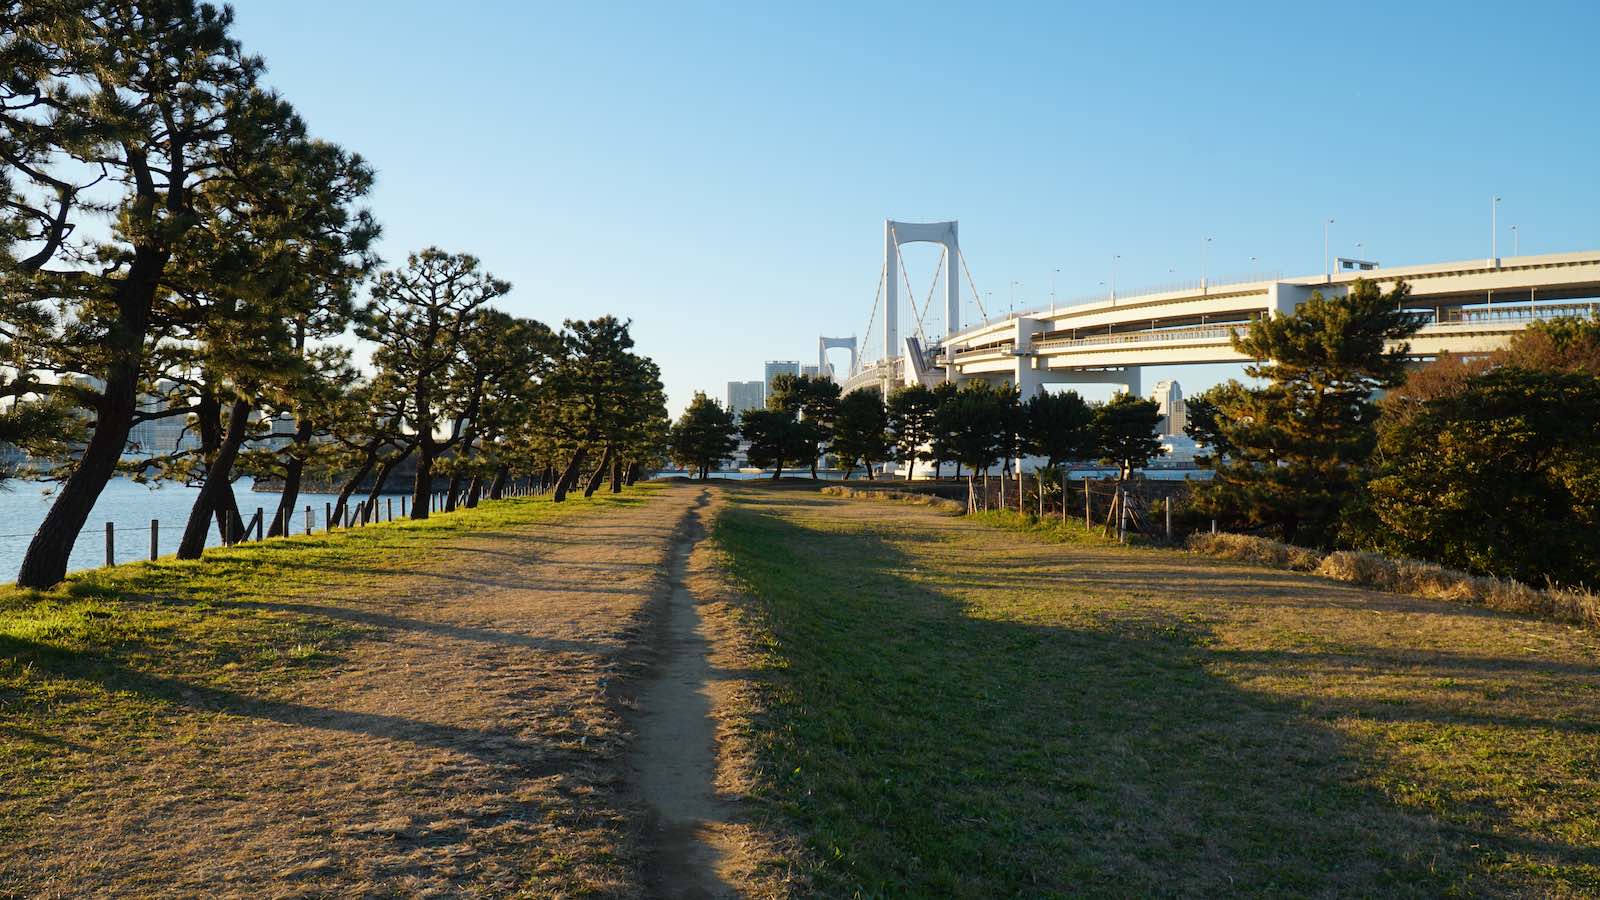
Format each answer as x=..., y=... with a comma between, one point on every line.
x=1472, y=306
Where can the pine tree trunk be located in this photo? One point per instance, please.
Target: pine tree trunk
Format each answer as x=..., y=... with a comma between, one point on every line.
x=350, y=485
x=422, y=487
x=616, y=475
x=293, y=468
x=451, y=491
x=599, y=473
x=379, y=482
x=474, y=491
x=497, y=487
x=569, y=476
x=45, y=563
x=218, y=475
x=972, y=500
x=633, y=473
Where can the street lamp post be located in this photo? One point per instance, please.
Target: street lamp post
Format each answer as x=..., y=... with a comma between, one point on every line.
x=1327, y=261
x=1516, y=242
x=1494, y=233
x=1114, y=258
x=1205, y=251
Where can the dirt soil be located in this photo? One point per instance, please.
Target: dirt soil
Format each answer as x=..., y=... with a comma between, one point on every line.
x=479, y=744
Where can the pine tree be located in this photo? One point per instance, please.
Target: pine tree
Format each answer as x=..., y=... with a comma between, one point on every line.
x=910, y=411
x=861, y=431
x=419, y=316
x=1298, y=443
x=975, y=425
x=119, y=107
x=777, y=438
x=705, y=436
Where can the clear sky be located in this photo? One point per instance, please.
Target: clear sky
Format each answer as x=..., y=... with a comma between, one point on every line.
x=720, y=173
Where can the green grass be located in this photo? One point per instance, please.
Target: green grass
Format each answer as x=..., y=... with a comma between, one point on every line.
x=115, y=655
x=954, y=710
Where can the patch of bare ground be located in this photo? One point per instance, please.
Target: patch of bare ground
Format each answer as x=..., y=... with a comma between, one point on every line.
x=695, y=759
x=473, y=744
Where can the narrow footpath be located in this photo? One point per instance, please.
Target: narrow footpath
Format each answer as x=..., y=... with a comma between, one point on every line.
x=478, y=742
x=675, y=760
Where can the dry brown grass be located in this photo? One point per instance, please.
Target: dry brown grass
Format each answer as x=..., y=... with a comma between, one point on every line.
x=947, y=507
x=471, y=741
x=1251, y=549
x=1406, y=576
x=767, y=857
x=1435, y=582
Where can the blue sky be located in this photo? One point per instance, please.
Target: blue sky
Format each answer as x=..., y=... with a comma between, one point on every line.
x=720, y=173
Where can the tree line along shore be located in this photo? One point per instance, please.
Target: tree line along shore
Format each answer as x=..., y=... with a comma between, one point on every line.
x=1488, y=464
x=175, y=244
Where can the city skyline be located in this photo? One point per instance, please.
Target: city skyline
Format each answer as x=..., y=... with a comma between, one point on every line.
x=759, y=154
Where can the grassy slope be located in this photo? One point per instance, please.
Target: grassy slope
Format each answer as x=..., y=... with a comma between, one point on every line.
x=91, y=667
x=957, y=710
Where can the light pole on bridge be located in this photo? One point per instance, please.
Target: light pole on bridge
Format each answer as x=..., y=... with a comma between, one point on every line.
x=1327, y=261
x=1494, y=233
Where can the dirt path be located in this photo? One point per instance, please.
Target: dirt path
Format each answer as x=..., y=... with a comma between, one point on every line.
x=475, y=746
x=675, y=759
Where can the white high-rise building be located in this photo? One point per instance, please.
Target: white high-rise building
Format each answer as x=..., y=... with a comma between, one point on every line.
x=776, y=367
x=1174, y=415
x=743, y=395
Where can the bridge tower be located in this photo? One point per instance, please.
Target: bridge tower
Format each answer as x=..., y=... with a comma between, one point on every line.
x=824, y=344
x=897, y=233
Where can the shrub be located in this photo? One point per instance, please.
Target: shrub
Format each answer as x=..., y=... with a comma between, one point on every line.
x=1251, y=549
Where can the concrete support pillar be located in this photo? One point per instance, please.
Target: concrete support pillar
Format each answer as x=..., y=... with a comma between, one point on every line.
x=891, y=292
x=952, y=282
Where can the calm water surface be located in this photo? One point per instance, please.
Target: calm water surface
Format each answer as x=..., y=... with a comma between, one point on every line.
x=129, y=506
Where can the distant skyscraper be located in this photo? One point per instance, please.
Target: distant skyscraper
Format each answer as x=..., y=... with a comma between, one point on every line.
x=811, y=371
x=1174, y=414
x=776, y=367
x=743, y=395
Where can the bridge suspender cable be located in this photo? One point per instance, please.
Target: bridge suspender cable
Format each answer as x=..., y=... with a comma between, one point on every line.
x=943, y=252
x=866, y=336
x=977, y=297
x=910, y=294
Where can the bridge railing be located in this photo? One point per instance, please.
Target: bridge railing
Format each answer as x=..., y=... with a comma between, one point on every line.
x=1513, y=312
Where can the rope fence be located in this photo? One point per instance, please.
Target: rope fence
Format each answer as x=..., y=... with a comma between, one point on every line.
x=368, y=511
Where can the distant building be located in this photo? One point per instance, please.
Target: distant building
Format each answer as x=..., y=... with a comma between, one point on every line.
x=776, y=367
x=1179, y=450
x=811, y=371
x=1174, y=414
x=743, y=395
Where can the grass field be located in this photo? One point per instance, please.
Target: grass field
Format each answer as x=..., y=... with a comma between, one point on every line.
x=955, y=709
x=114, y=658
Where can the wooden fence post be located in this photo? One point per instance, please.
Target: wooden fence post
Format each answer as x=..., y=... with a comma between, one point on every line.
x=390, y=502
x=111, y=545
x=1087, y=523
x=327, y=516
x=1168, y=505
x=402, y=506
x=155, y=539
x=309, y=518
x=1122, y=518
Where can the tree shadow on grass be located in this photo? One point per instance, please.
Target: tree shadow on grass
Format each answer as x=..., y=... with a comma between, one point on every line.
x=500, y=748
x=928, y=748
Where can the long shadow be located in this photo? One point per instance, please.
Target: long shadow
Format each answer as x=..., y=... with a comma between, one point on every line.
x=391, y=622
x=927, y=749
x=500, y=748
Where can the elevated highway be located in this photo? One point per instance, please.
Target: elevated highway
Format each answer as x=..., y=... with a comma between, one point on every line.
x=1473, y=306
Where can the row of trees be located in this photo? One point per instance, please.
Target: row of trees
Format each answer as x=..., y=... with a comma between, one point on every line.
x=977, y=427
x=1490, y=464
x=174, y=244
